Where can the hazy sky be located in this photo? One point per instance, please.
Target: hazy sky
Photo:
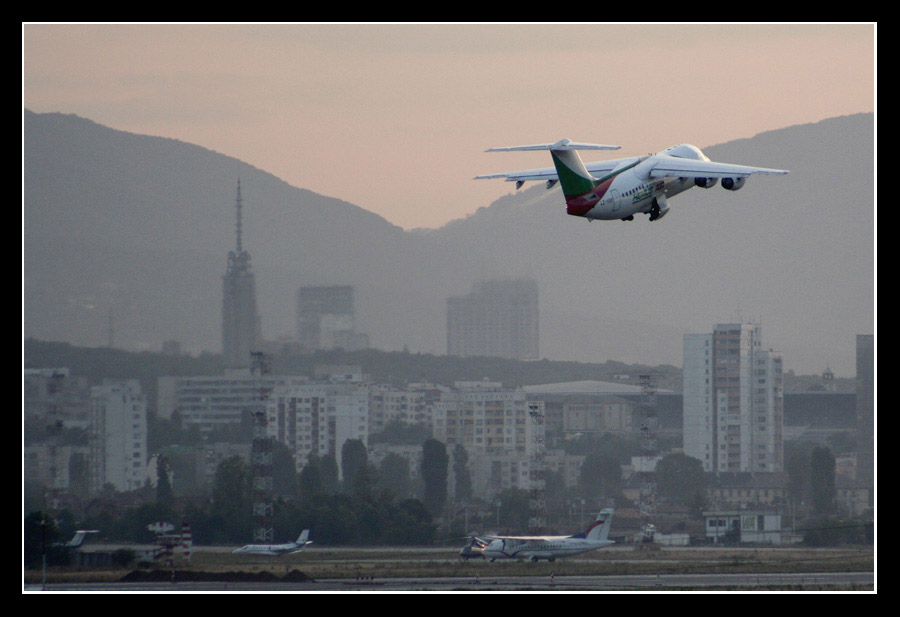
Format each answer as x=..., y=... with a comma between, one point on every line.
x=396, y=118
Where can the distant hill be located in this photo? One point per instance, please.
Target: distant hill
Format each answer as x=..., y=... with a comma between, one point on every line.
x=139, y=227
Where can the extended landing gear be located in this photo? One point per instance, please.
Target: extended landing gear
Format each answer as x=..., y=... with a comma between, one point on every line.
x=654, y=211
x=630, y=217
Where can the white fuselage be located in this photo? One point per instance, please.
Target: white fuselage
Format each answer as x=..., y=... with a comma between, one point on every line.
x=633, y=192
x=549, y=548
x=270, y=549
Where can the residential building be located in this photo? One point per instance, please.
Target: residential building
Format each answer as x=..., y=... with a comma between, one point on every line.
x=52, y=396
x=498, y=318
x=733, y=400
x=118, y=436
x=500, y=428
x=318, y=418
x=326, y=319
x=211, y=402
x=48, y=464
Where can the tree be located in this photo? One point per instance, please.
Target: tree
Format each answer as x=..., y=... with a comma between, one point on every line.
x=601, y=475
x=284, y=470
x=463, y=488
x=395, y=475
x=821, y=480
x=232, y=500
x=797, y=468
x=310, y=480
x=328, y=474
x=680, y=478
x=434, y=475
x=353, y=459
x=164, y=497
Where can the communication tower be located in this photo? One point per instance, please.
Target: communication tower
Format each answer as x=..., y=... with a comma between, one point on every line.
x=537, y=470
x=649, y=445
x=261, y=461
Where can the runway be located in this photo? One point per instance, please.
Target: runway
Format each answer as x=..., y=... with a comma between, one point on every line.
x=813, y=581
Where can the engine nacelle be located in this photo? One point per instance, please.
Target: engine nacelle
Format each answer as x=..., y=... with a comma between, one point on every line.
x=659, y=208
x=733, y=184
x=705, y=183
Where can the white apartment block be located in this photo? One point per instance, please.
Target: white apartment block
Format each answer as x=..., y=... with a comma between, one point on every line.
x=118, y=436
x=389, y=403
x=499, y=429
x=733, y=400
x=48, y=464
x=486, y=418
x=318, y=418
x=214, y=401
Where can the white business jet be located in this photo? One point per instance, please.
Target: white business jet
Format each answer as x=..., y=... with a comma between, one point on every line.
x=277, y=549
x=621, y=188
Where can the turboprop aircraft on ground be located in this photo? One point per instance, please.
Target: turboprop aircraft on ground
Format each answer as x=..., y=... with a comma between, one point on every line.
x=276, y=549
x=536, y=548
x=621, y=188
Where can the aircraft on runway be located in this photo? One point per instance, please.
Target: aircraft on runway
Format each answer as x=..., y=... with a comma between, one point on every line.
x=621, y=188
x=77, y=540
x=276, y=549
x=536, y=548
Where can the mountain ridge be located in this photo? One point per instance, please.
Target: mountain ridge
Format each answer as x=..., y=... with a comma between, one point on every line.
x=164, y=211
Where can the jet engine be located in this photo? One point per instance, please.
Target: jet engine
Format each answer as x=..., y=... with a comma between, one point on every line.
x=733, y=184
x=705, y=183
x=659, y=208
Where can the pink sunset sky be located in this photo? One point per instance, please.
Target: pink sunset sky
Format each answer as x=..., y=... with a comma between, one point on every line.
x=395, y=118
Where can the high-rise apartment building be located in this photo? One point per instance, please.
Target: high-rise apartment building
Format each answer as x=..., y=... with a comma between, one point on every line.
x=240, y=320
x=118, y=436
x=498, y=318
x=326, y=319
x=733, y=400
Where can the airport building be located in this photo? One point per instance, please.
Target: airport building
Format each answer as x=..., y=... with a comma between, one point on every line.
x=733, y=400
x=117, y=436
x=498, y=318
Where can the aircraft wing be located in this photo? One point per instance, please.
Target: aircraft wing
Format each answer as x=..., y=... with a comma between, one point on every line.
x=675, y=167
x=532, y=538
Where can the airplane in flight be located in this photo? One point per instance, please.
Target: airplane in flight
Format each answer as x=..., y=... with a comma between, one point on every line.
x=536, y=548
x=277, y=549
x=621, y=188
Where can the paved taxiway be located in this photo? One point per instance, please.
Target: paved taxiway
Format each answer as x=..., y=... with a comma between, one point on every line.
x=665, y=582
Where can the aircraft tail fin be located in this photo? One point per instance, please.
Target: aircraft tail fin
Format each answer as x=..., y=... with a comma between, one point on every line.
x=574, y=178
x=78, y=539
x=599, y=529
x=304, y=537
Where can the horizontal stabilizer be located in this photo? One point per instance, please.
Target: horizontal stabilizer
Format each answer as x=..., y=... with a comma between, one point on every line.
x=563, y=144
